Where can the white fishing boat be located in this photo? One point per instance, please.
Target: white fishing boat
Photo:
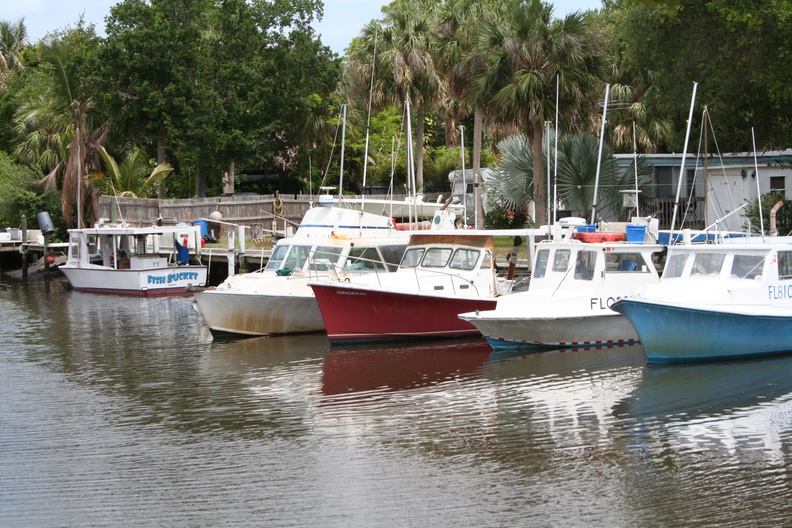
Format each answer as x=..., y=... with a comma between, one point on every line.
x=729, y=300
x=574, y=283
x=144, y=261
x=277, y=300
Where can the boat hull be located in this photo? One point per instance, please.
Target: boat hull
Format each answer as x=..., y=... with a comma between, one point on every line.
x=560, y=332
x=154, y=282
x=360, y=315
x=676, y=334
x=229, y=314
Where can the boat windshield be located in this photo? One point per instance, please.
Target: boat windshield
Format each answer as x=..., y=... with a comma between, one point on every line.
x=541, y=263
x=708, y=264
x=785, y=265
x=436, y=257
x=291, y=256
x=747, y=266
x=364, y=259
x=630, y=262
x=584, y=265
x=324, y=258
x=561, y=260
x=675, y=264
x=412, y=257
x=465, y=258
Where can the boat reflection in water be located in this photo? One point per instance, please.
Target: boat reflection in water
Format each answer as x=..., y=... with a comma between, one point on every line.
x=739, y=409
x=362, y=372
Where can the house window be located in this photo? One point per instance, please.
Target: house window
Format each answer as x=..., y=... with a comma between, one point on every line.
x=778, y=184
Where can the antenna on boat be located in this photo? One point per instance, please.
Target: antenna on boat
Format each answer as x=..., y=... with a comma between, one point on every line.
x=682, y=168
x=758, y=193
x=599, y=157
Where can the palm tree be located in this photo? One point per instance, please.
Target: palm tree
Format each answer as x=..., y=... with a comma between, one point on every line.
x=55, y=124
x=405, y=63
x=13, y=39
x=134, y=177
x=578, y=156
x=637, y=112
x=525, y=56
x=456, y=36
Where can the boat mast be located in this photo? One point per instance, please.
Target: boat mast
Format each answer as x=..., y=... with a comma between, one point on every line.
x=682, y=168
x=706, y=168
x=410, y=166
x=464, y=181
x=599, y=157
x=635, y=162
x=758, y=192
x=555, y=162
x=343, y=141
x=368, y=122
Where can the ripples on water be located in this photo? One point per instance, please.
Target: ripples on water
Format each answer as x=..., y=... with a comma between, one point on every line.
x=125, y=412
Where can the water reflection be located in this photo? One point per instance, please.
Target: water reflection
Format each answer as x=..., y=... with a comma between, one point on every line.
x=362, y=372
x=736, y=409
x=129, y=406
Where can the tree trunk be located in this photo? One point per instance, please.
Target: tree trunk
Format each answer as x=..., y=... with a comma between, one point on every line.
x=161, y=158
x=477, y=185
x=228, y=180
x=200, y=183
x=540, y=196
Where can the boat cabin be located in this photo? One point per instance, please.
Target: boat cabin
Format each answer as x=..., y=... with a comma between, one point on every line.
x=122, y=247
x=579, y=265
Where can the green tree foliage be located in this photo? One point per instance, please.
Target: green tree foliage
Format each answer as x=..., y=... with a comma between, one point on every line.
x=19, y=195
x=58, y=122
x=527, y=55
x=219, y=84
x=578, y=156
x=404, y=45
x=739, y=52
x=783, y=215
x=136, y=176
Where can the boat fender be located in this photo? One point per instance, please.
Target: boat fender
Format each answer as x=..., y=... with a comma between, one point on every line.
x=346, y=279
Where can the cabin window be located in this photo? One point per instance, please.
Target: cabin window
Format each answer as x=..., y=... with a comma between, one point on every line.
x=785, y=265
x=486, y=262
x=747, y=266
x=465, y=259
x=706, y=264
x=584, y=265
x=324, y=258
x=541, y=263
x=288, y=256
x=630, y=262
x=297, y=257
x=436, y=257
x=674, y=266
x=412, y=257
x=277, y=257
x=392, y=254
x=561, y=260
x=364, y=259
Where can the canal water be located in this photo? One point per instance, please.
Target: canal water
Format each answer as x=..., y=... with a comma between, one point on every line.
x=125, y=412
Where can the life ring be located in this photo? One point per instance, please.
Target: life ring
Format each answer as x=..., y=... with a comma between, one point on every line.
x=277, y=206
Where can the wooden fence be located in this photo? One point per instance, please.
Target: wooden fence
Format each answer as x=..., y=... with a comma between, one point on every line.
x=254, y=211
